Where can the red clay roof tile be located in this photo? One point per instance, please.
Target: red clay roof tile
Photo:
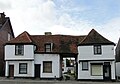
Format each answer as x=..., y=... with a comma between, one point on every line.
x=61, y=43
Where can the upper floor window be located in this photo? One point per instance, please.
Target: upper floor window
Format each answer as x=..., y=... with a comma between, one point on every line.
x=19, y=49
x=48, y=47
x=97, y=49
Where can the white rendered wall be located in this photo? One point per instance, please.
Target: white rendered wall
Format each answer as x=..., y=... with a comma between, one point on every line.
x=10, y=53
x=86, y=74
x=87, y=53
x=55, y=58
x=30, y=68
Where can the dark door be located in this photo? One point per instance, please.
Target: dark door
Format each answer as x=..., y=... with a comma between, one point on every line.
x=37, y=70
x=107, y=71
x=11, y=70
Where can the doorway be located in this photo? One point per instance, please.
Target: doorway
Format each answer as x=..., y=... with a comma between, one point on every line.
x=107, y=71
x=11, y=70
x=37, y=70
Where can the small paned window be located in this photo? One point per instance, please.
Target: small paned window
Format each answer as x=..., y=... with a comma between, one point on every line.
x=84, y=65
x=19, y=49
x=23, y=68
x=97, y=49
x=48, y=47
x=47, y=66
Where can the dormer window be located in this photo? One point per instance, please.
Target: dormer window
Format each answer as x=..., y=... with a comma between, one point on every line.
x=48, y=47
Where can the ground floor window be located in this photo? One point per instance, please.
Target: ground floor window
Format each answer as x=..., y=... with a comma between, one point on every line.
x=85, y=65
x=47, y=66
x=96, y=69
x=23, y=68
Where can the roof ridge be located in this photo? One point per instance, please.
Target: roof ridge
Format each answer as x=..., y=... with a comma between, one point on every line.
x=28, y=35
x=87, y=35
x=22, y=38
x=94, y=37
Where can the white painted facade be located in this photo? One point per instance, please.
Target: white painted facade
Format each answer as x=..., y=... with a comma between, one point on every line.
x=55, y=58
x=86, y=53
x=30, y=68
x=10, y=53
x=31, y=59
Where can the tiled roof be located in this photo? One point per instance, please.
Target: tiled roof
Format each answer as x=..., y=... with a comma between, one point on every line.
x=95, y=38
x=22, y=38
x=61, y=43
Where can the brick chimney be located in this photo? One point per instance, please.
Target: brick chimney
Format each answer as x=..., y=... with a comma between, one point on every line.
x=48, y=33
x=2, y=18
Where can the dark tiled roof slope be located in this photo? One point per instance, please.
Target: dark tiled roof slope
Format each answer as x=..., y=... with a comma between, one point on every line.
x=95, y=38
x=61, y=43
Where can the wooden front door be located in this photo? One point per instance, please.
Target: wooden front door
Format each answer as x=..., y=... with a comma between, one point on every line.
x=11, y=70
x=107, y=71
x=37, y=70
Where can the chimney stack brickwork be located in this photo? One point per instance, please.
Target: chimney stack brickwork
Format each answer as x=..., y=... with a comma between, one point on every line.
x=2, y=18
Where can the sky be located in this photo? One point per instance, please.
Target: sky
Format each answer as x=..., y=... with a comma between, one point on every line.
x=67, y=17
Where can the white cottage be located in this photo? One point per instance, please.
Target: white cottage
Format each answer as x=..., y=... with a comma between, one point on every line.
x=42, y=55
x=39, y=55
x=96, y=60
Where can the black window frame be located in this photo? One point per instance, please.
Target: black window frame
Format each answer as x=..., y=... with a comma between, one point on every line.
x=19, y=49
x=97, y=49
x=23, y=68
x=48, y=47
x=83, y=65
x=44, y=71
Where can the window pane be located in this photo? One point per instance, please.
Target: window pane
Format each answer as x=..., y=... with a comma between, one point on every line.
x=23, y=68
x=47, y=67
x=96, y=70
x=97, y=49
x=19, y=49
x=84, y=65
x=48, y=47
x=48, y=50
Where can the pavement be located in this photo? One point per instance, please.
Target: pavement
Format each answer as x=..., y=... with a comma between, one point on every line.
x=4, y=80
